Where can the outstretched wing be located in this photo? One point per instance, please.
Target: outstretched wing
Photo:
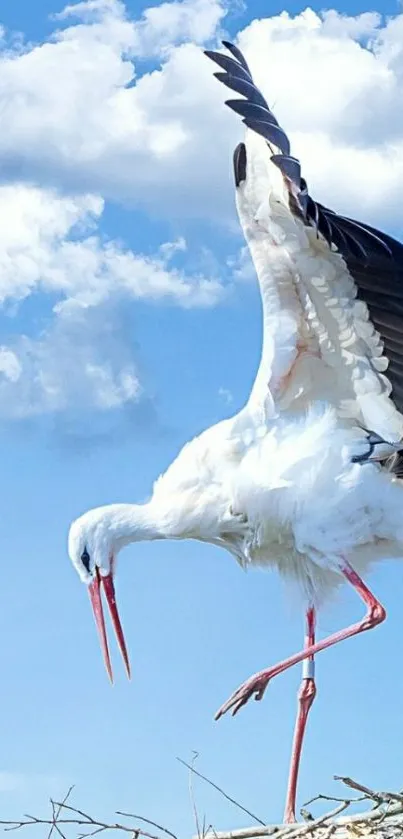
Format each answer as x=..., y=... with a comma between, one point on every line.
x=374, y=260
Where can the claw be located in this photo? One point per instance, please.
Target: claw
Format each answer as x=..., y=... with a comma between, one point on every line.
x=256, y=687
x=260, y=693
x=239, y=705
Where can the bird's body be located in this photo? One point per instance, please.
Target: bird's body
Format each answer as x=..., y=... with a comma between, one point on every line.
x=277, y=484
x=305, y=476
x=261, y=491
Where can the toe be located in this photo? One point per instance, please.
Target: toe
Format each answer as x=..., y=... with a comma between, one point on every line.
x=240, y=697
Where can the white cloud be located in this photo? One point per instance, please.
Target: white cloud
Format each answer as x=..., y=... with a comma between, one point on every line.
x=168, y=249
x=50, y=242
x=71, y=119
x=336, y=84
x=35, y=224
x=85, y=125
x=165, y=142
x=241, y=266
x=86, y=361
x=91, y=10
x=83, y=355
x=171, y=23
x=10, y=366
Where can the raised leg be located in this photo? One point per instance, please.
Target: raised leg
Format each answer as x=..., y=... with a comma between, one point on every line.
x=306, y=696
x=257, y=684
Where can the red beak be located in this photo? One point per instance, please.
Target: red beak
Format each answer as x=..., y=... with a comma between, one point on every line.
x=95, y=596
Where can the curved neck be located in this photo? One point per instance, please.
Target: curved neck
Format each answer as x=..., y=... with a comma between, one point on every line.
x=136, y=523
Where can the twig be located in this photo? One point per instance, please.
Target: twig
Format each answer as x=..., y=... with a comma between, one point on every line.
x=298, y=830
x=278, y=831
x=81, y=819
x=384, y=820
x=148, y=821
x=376, y=796
x=228, y=797
x=30, y=820
x=91, y=833
x=55, y=826
x=57, y=814
x=248, y=832
x=191, y=795
x=332, y=822
x=321, y=797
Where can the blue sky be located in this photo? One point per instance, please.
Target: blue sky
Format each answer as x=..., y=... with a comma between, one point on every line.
x=130, y=321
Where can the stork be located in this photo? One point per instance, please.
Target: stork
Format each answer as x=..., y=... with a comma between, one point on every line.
x=306, y=477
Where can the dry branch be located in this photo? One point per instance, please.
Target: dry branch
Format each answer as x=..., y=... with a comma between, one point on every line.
x=80, y=819
x=221, y=791
x=383, y=819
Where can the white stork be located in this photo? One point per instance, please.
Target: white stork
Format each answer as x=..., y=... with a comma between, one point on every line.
x=306, y=476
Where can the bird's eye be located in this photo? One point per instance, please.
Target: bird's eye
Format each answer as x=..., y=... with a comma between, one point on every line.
x=85, y=559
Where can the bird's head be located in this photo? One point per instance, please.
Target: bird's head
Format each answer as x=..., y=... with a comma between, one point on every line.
x=93, y=547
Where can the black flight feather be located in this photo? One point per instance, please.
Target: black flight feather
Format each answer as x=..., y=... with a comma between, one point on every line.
x=374, y=259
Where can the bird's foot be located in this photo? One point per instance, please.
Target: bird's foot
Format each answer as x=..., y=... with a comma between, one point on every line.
x=255, y=686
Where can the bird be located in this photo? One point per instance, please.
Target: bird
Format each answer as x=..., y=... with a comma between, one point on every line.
x=307, y=476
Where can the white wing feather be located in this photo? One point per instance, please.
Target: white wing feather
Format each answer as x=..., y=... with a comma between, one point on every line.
x=318, y=342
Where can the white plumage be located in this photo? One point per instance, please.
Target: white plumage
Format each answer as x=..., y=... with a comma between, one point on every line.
x=294, y=480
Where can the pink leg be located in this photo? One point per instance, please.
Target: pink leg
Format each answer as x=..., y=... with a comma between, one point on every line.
x=306, y=697
x=257, y=684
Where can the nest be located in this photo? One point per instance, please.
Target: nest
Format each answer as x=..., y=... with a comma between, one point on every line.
x=381, y=819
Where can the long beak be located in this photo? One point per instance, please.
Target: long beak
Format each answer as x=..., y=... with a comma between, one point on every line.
x=95, y=596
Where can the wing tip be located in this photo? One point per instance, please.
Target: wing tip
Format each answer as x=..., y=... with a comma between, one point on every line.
x=239, y=161
x=335, y=230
